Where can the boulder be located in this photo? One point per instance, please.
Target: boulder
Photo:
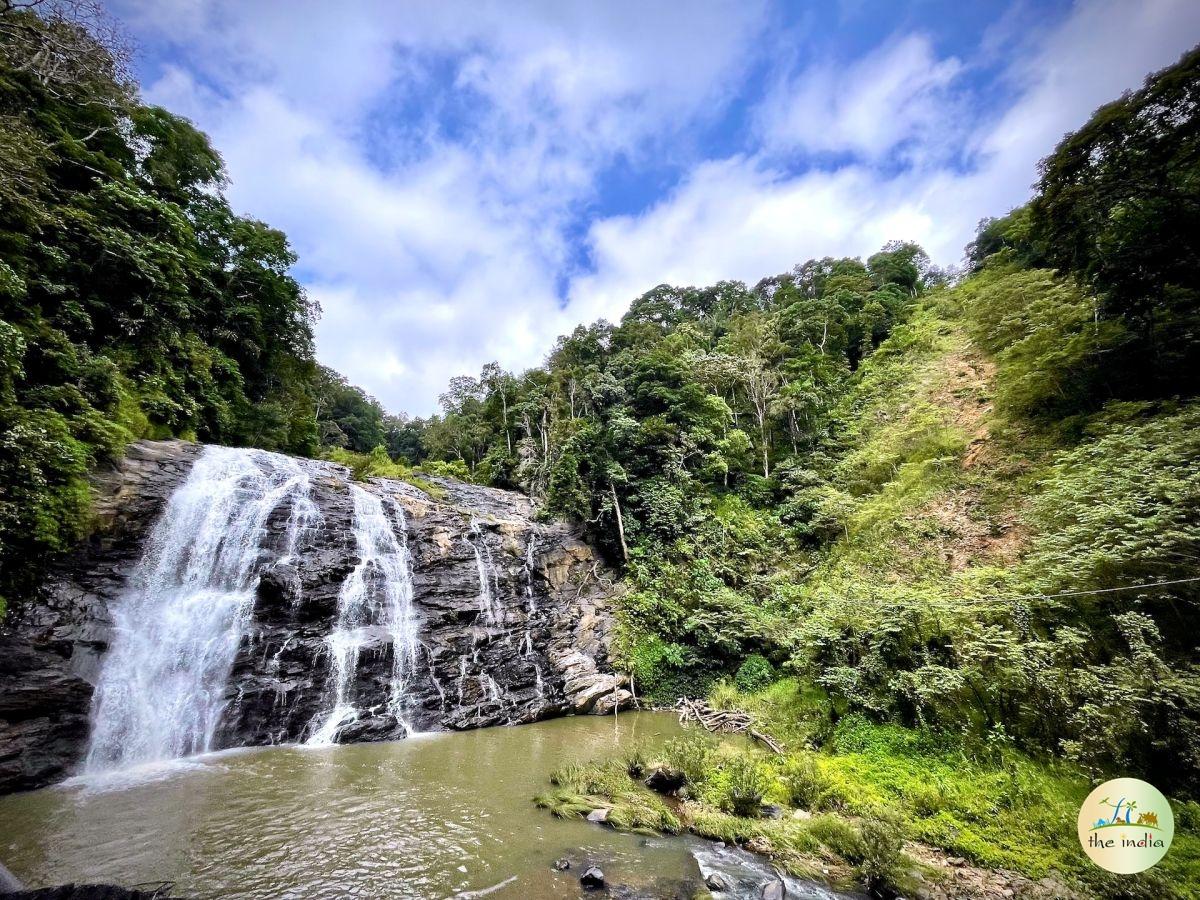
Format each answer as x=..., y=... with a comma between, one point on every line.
x=761, y=845
x=592, y=878
x=665, y=780
x=718, y=882
x=612, y=702
x=373, y=728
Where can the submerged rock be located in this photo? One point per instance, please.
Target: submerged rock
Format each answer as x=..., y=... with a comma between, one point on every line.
x=592, y=878
x=512, y=618
x=87, y=892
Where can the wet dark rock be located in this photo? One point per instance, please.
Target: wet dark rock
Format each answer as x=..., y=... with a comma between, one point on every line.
x=592, y=878
x=657, y=889
x=542, y=653
x=665, y=780
x=562, y=865
x=43, y=713
x=374, y=728
x=771, y=811
x=279, y=590
x=88, y=892
x=772, y=890
x=718, y=882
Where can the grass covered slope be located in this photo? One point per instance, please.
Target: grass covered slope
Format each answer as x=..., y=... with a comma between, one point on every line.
x=1004, y=572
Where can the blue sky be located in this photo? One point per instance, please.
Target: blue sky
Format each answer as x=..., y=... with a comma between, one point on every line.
x=465, y=181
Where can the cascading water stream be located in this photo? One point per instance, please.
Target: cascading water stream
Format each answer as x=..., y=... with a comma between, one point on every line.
x=485, y=567
x=162, y=684
x=375, y=597
x=304, y=517
x=530, y=603
x=489, y=589
x=530, y=563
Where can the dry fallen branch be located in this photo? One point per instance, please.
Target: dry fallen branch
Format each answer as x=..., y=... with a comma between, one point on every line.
x=727, y=721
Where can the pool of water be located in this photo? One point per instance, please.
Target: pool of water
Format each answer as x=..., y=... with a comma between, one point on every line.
x=438, y=815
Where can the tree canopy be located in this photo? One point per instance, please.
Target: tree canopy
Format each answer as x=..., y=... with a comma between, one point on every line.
x=133, y=301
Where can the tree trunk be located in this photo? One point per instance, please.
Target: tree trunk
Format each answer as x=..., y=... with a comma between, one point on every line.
x=507, y=433
x=620, y=522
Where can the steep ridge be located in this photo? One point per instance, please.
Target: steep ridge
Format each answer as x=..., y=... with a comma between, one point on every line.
x=349, y=612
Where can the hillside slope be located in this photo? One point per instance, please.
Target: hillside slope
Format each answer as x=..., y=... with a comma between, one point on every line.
x=928, y=684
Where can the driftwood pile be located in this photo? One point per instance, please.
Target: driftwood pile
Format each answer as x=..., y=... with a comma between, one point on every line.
x=727, y=721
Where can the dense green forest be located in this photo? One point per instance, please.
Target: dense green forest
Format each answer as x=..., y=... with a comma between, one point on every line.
x=922, y=498
x=134, y=302
x=940, y=535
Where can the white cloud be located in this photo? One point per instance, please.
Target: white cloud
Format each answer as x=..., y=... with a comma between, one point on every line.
x=741, y=219
x=435, y=239
x=900, y=94
x=446, y=255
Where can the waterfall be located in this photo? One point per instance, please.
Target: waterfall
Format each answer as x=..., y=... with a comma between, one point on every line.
x=177, y=628
x=530, y=562
x=437, y=685
x=486, y=571
x=304, y=517
x=374, y=600
x=493, y=689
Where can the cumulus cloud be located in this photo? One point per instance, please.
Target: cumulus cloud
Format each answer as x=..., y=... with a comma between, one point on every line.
x=431, y=253
x=435, y=167
x=898, y=97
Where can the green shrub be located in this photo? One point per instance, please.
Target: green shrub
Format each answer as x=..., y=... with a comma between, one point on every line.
x=839, y=835
x=637, y=762
x=725, y=695
x=456, y=469
x=805, y=784
x=748, y=786
x=691, y=754
x=755, y=673
x=882, y=859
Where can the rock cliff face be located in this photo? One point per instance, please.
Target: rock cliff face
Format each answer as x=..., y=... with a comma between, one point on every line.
x=512, y=619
